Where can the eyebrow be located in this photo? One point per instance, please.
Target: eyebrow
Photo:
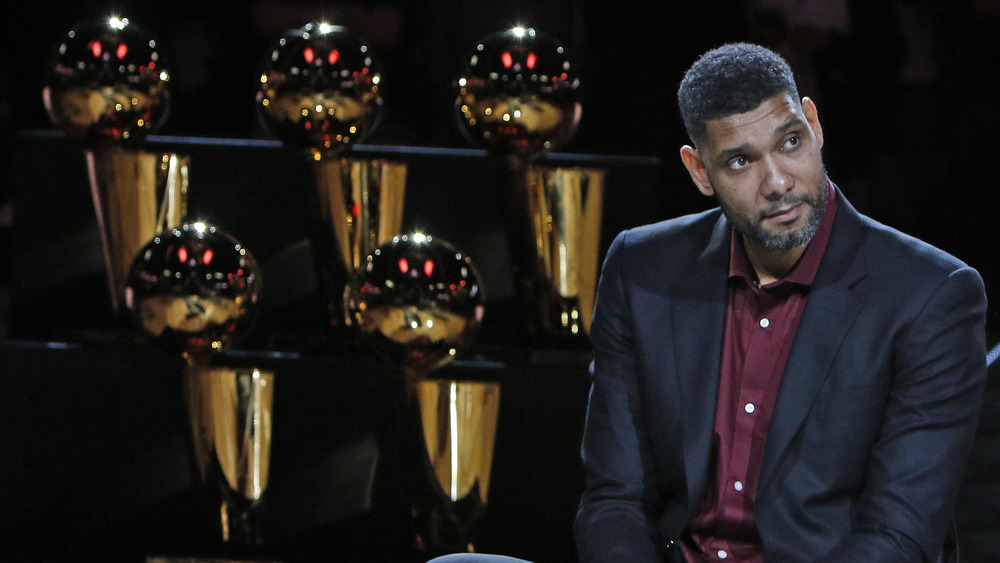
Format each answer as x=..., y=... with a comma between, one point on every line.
x=792, y=122
x=726, y=154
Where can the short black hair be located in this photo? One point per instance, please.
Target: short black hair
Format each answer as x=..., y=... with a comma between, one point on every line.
x=734, y=78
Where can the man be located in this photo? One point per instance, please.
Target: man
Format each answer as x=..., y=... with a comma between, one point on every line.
x=780, y=379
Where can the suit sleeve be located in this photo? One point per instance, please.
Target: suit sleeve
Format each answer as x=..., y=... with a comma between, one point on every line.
x=916, y=465
x=617, y=513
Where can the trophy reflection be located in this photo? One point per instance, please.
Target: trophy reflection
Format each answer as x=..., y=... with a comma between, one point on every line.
x=418, y=303
x=320, y=93
x=194, y=289
x=518, y=96
x=107, y=86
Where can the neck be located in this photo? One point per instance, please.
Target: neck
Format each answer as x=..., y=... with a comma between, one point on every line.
x=772, y=265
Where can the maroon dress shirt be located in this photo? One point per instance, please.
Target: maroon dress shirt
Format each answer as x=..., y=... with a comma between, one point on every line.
x=760, y=327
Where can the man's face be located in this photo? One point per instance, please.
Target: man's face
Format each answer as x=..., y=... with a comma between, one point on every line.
x=765, y=169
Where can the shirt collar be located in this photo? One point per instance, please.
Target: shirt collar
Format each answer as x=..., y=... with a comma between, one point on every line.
x=804, y=272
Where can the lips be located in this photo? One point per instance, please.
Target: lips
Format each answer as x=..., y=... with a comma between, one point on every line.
x=783, y=214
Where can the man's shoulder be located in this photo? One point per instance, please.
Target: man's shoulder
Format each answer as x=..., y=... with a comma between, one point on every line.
x=657, y=253
x=897, y=250
x=693, y=230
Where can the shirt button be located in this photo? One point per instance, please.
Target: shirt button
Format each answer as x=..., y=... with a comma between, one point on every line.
x=764, y=323
x=722, y=554
x=738, y=485
x=749, y=408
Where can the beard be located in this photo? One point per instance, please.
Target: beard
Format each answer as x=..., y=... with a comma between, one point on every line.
x=753, y=229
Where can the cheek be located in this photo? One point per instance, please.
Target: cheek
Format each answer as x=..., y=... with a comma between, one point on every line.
x=810, y=166
x=740, y=199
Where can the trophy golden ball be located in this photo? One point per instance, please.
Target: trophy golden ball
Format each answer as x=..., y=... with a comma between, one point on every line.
x=518, y=93
x=106, y=82
x=193, y=287
x=320, y=89
x=418, y=301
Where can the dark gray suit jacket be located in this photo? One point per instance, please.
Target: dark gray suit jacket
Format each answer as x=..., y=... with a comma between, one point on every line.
x=875, y=413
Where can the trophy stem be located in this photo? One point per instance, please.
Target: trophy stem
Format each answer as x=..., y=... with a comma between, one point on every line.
x=528, y=272
x=554, y=228
x=452, y=425
x=231, y=411
x=136, y=195
x=358, y=205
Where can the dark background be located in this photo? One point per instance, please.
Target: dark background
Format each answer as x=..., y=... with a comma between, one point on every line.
x=914, y=150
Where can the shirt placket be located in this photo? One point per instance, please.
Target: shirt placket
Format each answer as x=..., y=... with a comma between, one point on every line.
x=749, y=408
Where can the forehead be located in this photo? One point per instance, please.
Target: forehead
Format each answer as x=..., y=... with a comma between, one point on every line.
x=757, y=125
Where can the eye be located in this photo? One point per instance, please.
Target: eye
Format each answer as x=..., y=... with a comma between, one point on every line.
x=738, y=163
x=792, y=142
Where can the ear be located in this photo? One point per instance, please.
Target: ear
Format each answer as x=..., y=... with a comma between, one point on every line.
x=696, y=168
x=812, y=118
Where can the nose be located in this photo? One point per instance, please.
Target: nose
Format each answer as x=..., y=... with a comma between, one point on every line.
x=776, y=181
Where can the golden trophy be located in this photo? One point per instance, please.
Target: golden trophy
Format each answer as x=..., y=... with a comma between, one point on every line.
x=417, y=301
x=231, y=411
x=518, y=96
x=565, y=204
x=194, y=289
x=107, y=86
x=320, y=93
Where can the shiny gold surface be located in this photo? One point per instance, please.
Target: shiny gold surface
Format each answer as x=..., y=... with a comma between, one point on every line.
x=136, y=195
x=566, y=207
x=232, y=411
x=231, y=416
x=194, y=287
x=459, y=421
x=373, y=206
x=418, y=301
x=518, y=93
x=454, y=427
x=320, y=89
x=107, y=85
x=360, y=204
x=106, y=82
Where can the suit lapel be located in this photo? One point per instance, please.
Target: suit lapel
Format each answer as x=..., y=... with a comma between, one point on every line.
x=829, y=313
x=698, y=325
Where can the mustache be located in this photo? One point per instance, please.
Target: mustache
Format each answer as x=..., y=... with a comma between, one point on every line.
x=783, y=202
x=788, y=201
